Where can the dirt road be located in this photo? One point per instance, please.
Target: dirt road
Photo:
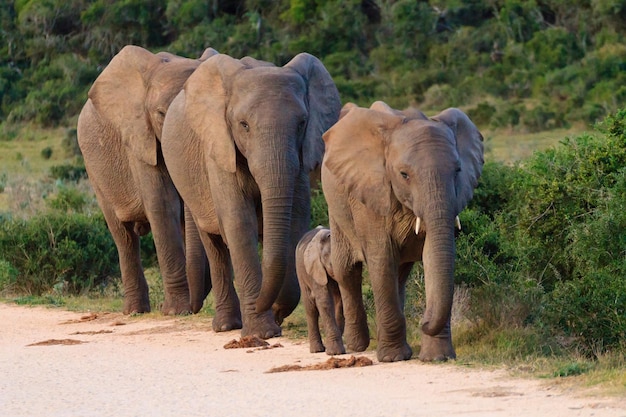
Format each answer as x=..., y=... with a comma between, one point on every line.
x=59, y=363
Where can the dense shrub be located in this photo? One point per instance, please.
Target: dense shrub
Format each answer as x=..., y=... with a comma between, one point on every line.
x=543, y=242
x=71, y=253
x=405, y=52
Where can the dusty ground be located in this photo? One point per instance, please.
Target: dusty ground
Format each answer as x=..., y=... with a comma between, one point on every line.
x=60, y=363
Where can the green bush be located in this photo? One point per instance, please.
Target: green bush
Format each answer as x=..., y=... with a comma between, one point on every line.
x=319, y=209
x=543, y=241
x=72, y=253
x=68, y=172
x=46, y=153
x=68, y=200
x=591, y=310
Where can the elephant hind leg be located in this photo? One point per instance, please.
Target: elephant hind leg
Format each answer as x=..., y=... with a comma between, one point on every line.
x=134, y=282
x=226, y=303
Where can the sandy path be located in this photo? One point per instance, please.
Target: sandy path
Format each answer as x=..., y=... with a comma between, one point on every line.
x=151, y=366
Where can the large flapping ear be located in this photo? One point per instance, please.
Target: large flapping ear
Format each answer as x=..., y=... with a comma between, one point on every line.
x=410, y=114
x=355, y=155
x=119, y=95
x=313, y=258
x=469, y=144
x=207, y=95
x=346, y=108
x=254, y=63
x=383, y=107
x=208, y=53
x=324, y=106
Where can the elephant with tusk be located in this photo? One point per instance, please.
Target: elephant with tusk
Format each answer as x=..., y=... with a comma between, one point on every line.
x=395, y=183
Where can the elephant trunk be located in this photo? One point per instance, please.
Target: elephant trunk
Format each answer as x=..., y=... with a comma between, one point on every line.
x=438, y=259
x=276, y=184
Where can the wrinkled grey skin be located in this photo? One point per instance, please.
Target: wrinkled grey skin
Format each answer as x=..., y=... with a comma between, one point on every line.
x=320, y=292
x=239, y=142
x=383, y=169
x=119, y=129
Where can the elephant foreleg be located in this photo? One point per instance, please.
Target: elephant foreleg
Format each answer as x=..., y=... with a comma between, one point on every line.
x=437, y=348
x=227, y=310
x=356, y=332
x=312, y=321
x=390, y=320
x=332, y=332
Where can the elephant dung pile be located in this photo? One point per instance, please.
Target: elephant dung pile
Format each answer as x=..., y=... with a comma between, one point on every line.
x=249, y=342
x=331, y=363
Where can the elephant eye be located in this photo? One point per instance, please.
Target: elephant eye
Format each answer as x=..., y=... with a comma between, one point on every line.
x=404, y=175
x=245, y=125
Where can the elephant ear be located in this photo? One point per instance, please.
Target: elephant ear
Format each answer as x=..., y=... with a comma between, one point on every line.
x=346, y=108
x=207, y=95
x=313, y=259
x=324, y=106
x=119, y=95
x=383, y=107
x=355, y=155
x=469, y=144
x=208, y=53
x=253, y=62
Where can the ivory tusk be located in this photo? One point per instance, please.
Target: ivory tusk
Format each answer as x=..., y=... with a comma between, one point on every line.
x=457, y=222
x=417, y=225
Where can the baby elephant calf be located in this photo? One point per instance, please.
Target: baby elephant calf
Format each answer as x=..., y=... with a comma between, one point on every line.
x=320, y=292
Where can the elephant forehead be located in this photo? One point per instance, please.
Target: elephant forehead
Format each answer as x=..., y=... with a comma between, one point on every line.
x=418, y=145
x=269, y=80
x=417, y=134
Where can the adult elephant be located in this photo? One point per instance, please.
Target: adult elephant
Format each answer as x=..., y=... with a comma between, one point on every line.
x=119, y=129
x=394, y=183
x=239, y=142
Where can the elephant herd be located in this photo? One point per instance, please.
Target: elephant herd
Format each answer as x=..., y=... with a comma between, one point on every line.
x=213, y=155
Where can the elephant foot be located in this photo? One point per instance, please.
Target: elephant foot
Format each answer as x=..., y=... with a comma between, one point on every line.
x=436, y=349
x=387, y=352
x=357, y=337
x=224, y=322
x=136, y=307
x=196, y=306
x=261, y=325
x=335, y=348
x=316, y=346
x=174, y=305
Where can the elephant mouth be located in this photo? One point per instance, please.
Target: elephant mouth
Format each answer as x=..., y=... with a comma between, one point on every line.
x=418, y=222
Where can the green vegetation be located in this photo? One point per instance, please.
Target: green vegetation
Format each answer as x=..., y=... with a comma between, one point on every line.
x=541, y=259
x=534, y=65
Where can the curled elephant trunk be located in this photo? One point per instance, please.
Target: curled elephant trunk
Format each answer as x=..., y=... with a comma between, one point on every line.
x=276, y=234
x=277, y=189
x=438, y=258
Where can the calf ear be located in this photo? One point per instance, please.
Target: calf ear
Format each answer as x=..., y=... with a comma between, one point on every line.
x=313, y=261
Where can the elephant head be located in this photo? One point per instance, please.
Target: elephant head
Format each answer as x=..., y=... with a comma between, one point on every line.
x=255, y=120
x=134, y=92
x=404, y=165
x=317, y=257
